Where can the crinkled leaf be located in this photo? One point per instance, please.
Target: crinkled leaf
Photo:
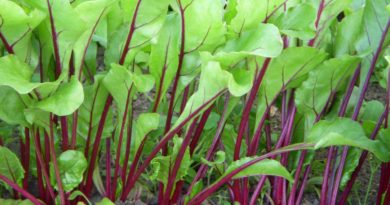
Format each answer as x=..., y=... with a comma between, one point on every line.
x=71, y=165
x=219, y=159
x=161, y=165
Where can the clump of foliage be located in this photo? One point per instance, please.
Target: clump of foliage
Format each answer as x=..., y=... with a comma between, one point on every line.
x=175, y=101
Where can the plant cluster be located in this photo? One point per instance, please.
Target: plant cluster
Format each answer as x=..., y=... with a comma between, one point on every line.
x=191, y=101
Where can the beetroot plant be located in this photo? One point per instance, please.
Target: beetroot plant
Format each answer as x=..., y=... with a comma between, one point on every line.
x=194, y=101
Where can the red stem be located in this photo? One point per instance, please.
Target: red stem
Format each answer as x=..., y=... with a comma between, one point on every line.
x=131, y=181
x=177, y=163
x=357, y=111
x=247, y=108
x=19, y=189
x=26, y=157
x=7, y=46
x=179, y=67
x=199, y=129
x=200, y=197
x=108, y=170
x=119, y=143
x=55, y=164
x=130, y=35
x=99, y=133
x=55, y=41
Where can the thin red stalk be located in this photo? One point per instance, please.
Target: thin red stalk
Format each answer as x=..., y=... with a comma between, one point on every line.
x=19, y=189
x=131, y=181
x=386, y=200
x=133, y=166
x=40, y=166
x=248, y=106
x=55, y=164
x=64, y=133
x=74, y=129
x=119, y=143
x=294, y=187
x=128, y=144
x=185, y=98
x=216, y=140
x=88, y=183
x=108, y=169
x=331, y=151
x=357, y=111
x=7, y=46
x=177, y=163
x=200, y=197
x=55, y=41
x=45, y=166
x=130, y=35
x=256, y=192
x=285, y=132
x=199, y=129
x=88, y=142
x=362, y=158
x=179, y=67
x=159, y=90
x=175, y=84
x=385, y=167
x=89, y=42
x=319, y=13
x=26, y=157
x=302, y=189
x=384, y=182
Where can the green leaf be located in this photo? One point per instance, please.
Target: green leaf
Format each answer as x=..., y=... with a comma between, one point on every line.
x=264, y=167
x=311, y=97
x=65, y=100
x=10, y=166
x=204, y=28
x=347, y=33
x=219, y=159
x=161, y=165
x=343, y=131
x=93, y=18
x=298, y=21
x=17, y=75
x=145, y=123
x=105, y=201
x=214, y=80
x=149, y=20
x=12, y=106
x=372, y=111
x=164, y=54
x=264, y=40
x=17, y=25
x=293, y=64
x=15, y=202
x=71, y=165
x=118, y=81
x=249, y=13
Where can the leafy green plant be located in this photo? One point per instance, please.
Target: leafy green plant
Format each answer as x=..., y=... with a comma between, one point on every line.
x=184, y=101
